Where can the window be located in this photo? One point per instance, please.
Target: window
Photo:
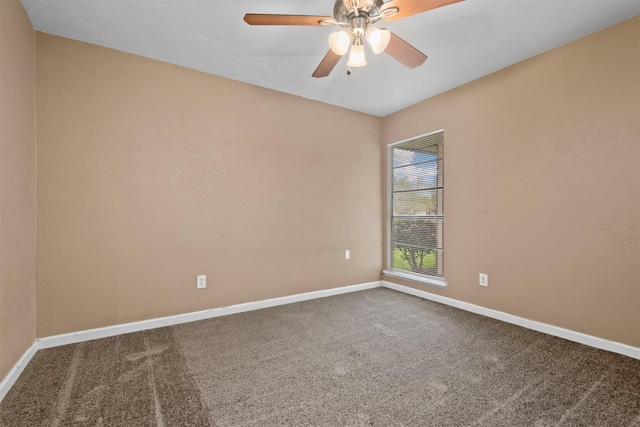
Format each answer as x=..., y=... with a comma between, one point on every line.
x=416, y=228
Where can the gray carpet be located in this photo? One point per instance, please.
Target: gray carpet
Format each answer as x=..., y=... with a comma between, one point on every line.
x=376, y=357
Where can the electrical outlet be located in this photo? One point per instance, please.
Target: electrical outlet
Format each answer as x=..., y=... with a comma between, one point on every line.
x=347, y=254
x=484, y=279
x=201, y=283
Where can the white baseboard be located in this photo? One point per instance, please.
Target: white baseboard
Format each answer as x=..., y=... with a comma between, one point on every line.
x=567, y=334
x=14, y=373
x=91, y=334
x=109, y=331
x=125, y=328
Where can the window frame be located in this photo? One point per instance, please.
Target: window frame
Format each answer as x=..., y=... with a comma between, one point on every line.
x=389, y=271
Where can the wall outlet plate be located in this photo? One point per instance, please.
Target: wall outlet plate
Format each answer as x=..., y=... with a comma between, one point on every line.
x=483, y=279
x=201, y=282
x=347, y=254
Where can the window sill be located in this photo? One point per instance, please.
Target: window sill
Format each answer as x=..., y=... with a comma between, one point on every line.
x=425, y=280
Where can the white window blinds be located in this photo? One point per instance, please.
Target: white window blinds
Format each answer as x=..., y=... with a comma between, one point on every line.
x=417, y=215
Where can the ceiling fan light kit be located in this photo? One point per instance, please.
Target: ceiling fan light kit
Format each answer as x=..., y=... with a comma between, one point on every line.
x=357, y=19
x=359, y=27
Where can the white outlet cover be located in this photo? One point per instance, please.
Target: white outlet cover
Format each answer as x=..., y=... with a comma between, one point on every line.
x=483, y=279
x=201, y=282
x=347, y=254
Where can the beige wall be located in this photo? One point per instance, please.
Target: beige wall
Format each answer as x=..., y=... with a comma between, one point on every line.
x=542, y=175
x=17, y=184
x=149, y=174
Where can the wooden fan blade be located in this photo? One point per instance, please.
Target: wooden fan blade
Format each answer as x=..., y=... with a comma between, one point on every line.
x=327, y=64
x=411, y=7
x=261, y=19
x=404, y=53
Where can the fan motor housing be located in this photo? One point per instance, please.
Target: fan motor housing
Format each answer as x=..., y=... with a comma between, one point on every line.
x=343, y=13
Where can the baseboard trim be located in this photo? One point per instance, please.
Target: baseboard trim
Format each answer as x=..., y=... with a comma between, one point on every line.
x=567, y=334
x=14, y=373
x=125, y=328
x=92, y=334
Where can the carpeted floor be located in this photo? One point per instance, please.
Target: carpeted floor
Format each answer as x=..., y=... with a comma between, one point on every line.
x=376, y=357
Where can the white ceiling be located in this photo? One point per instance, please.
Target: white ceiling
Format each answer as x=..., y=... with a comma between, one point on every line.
x=464, y=41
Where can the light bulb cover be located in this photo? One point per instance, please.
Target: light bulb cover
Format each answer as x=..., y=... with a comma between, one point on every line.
x=378, y=39
x=339, y=42
x=356, y=56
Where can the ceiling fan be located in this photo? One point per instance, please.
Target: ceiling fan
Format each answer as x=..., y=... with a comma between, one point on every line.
x=357, y=19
